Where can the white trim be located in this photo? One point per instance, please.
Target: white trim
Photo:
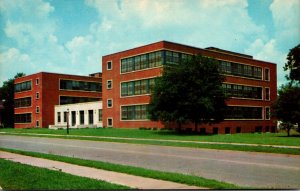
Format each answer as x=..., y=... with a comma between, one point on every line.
x=262, y=117
x=37, y=123
x=136, y=79
x=112, y=122
x=37, y=109
x=23, y=98
x=269, y=92
x=267, y=68
x=132, y=119
x=111, y=84
x=110, y=99
x=78, y=81
x=111, y=63
x=37, y=95
x=37, y=80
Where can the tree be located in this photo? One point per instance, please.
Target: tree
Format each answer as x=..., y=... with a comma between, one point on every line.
x=7, y=97
x=189, y=92
x=293, y=64
x=287, y=106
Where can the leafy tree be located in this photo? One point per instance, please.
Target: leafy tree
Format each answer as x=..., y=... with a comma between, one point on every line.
x=7, y=97
x=293, y=64
x=287, y=106
x=189, y=92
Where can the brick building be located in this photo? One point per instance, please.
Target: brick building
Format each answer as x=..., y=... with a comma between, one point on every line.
x=37, y=94
x=129, y=75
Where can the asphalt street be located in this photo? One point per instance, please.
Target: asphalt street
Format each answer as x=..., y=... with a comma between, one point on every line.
x=241, y=168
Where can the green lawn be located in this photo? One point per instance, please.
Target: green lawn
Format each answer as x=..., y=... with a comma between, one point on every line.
x=255, y=138
x=16, y=176
x=168, y=176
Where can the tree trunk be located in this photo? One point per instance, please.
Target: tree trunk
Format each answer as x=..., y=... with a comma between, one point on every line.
x=288, y=131
x=298, y=127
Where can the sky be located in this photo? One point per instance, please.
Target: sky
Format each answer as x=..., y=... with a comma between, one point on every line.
x=71, y=36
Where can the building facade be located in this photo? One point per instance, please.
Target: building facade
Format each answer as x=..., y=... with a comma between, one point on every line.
x=37, y=94
x=129, y=76
x=78, y=115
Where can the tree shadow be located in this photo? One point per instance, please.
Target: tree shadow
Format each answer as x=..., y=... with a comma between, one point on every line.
x=181, y=133
x=287, y=136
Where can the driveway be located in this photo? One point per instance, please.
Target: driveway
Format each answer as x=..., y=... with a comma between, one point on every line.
x=241, y=168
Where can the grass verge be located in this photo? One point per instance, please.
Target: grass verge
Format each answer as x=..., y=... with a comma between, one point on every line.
x=16, y=176
x=251, y=138
x=168, y=176
x=265, y=149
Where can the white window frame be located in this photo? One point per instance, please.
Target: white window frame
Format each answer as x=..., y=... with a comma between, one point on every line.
x=111, y=84
x=111, y=103
x=268, y=74
x=111, y=65
x=37, y=81
x=266, y=113
x=112, y=122
x=37, y=123
x=37, y=109
x=37, y=95
x=269, y=92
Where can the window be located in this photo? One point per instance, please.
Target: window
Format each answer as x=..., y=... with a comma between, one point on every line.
x=100, y=115
x=69, y=100
x=215, y=130
x=37, y=95
x=109, y=122
x=23, y=86
x=91, y=116
x=227, y=130
x=241, y=91
x=23, y=118
x=238, y=129
x=138, y=87
x=81, y=117
x=58, y=117
x=22, y=102
x=80, y=85
x=109, y=103
x=267, y=113
x=65, y=116
x=109, y=84
x=37, y=81
x=109, y=65
x=267, y=93
x=134, y=112
x=37, y=110
x=267, y=74
x=37, y=123
x=240, y=70
x=239, y=112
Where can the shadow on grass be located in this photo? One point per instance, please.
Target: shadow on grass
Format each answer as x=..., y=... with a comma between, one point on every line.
x=289, y=136
x=181, y=133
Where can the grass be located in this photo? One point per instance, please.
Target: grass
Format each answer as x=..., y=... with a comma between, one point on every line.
x=254, y=138
x=16, y=176
x=161, y=136
x=168, y=176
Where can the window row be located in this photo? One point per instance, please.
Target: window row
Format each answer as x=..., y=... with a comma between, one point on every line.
x=80, y=85
x=151, y=60
x=134, y=112
x=23, y=118
x=240, y=91
x=138, y=87
x=90, y=114
x=24, y=86
x=241, y=70
x=69, y=100
x=22, y=102
x=237, y=112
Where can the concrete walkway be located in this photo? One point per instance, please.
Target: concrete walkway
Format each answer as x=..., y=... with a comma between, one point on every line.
x=109, y=176
x=158, y=140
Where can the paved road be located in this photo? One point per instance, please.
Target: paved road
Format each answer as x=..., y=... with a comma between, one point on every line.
x=241, y=168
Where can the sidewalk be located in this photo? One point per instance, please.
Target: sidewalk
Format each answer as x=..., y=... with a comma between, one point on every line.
x=158, y=140
x=109, y=176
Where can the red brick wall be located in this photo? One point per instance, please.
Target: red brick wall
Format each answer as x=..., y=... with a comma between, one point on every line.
x=114, y=93
x=48, y=89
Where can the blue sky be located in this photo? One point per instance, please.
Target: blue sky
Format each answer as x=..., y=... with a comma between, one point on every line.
x=71, y=36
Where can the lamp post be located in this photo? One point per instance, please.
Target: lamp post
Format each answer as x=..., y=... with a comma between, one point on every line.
x=68, y=121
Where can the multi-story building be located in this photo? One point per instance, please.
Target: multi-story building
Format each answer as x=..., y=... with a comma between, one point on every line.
x=129, y=75
x=37, y=94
